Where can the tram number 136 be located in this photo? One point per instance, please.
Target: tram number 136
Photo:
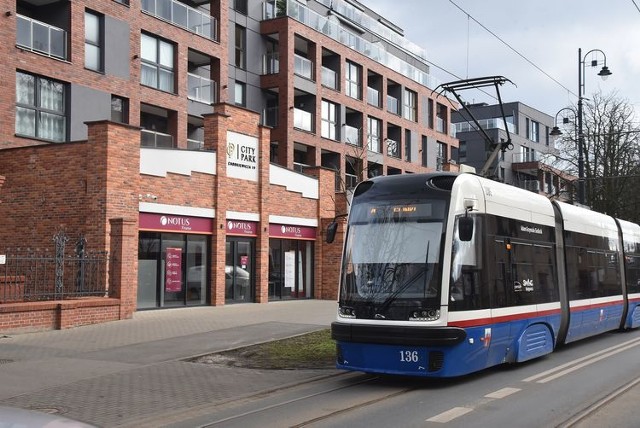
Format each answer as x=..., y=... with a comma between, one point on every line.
x=409, y=356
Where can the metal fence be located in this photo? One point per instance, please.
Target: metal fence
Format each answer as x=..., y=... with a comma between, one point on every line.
x=32, y=275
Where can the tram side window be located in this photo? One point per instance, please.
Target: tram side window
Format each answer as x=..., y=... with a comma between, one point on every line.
x=593, y=270
x=633, y=274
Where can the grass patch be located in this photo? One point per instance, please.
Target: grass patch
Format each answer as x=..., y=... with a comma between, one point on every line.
x=314, y=350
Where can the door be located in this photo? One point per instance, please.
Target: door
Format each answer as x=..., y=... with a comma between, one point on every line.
x=238, y=270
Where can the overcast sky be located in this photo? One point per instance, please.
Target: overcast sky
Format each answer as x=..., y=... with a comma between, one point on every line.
x=547, y=32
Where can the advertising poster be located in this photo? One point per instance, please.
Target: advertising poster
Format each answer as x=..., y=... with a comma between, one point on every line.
x=173, y=270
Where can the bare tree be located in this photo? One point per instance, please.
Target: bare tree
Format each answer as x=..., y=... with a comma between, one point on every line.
x=611, y=154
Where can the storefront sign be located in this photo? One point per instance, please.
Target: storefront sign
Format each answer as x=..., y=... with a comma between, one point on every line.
x=292, y=232
x=173, y=270
x=175, y=223
x=242, y=228
x=242, y=156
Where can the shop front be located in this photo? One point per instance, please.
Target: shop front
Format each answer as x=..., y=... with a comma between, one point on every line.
x=173, y=260
x=291, y=261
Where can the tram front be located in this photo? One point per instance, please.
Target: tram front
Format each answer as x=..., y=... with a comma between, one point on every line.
x=389, y=315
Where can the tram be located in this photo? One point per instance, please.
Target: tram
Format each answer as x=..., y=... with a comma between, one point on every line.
x=447, y=274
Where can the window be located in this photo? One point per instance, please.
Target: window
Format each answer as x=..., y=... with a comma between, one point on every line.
x=239, y=96
x=157, y=63
x=430, y=113
x=441, y=118
x=240, y=6
x=407, y=145
x=241, y=47
x=40, y=107
x=424, y=150
x=409, y=109
x=533, y=130
x=441, y=158
x=462, y=152
x=329, y=124
x=353, y=81
x=119, y=109
x=374, y=126
x=93, y=41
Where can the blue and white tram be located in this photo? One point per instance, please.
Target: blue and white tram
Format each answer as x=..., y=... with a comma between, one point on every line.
x=447, y=274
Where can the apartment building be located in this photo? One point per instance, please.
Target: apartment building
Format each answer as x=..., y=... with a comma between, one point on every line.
x=235, y=112
x=528, y=164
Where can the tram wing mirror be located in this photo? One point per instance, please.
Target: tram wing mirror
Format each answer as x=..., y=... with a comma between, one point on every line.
x=465, y=228
x=331, y=232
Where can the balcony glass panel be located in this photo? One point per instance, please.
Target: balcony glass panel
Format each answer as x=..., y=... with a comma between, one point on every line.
x=183, y=16
x=374, y=143
x=329, y=78
x=352, y=135
x=393, y=105
x=439, y=124
x=201, y=89
x=40, y=37
x=195, y=144
x=270, y=116
x=303, y=67
x=350, y=181
x=526, y=157
x=493, y=123
x=373, y=96
x=155, y=139
x=302, y=120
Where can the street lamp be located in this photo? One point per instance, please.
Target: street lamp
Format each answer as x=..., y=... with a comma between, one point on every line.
x=555, y=131
x=604, y=73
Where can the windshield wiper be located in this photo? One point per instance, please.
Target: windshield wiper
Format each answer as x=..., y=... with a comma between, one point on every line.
x=393, y=296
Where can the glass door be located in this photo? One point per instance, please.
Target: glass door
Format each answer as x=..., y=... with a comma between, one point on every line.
x=238, y=270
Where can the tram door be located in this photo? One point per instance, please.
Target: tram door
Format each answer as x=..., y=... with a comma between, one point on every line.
x=238, y=270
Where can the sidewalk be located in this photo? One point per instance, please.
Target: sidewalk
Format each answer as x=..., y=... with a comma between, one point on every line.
x=132, y=372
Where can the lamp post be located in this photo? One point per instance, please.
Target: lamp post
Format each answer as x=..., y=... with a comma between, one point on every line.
x=555, y=131
x=604, y=73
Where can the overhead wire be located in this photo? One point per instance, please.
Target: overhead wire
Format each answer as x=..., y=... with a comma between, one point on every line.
x=469, y=16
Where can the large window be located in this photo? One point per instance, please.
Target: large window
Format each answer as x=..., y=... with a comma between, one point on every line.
x=93, y=41
x=353, y=81
x=329, y=120
x=410, y=107
x=157, y=63
x=441, y=158
x=375, y=132
x=533, y=130
x=241, y=47
x=119, y=109
x=40, y=108
x=239, y=95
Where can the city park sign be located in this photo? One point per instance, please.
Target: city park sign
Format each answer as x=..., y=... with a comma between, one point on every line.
x=242, y=156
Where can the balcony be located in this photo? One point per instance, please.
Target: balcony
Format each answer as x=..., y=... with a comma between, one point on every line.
x=524, y=157
x=303, y=67
x=271, y=63
x=43, y=38
x=352, y=135
x=329, y=78
x=201, y=89
x=183, y=16
x=302, y=120
x=155, y=139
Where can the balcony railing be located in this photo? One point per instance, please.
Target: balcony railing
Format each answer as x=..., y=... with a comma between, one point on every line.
x=302, y=120
x=373, y=143
x=373, y=96
x=526, y=157
x=532, y=185
x=440, y=125
x=271, y=63
x=329, y=78
x=183, y=16
x=352, y=135
x=393, y=105
x=155, y=139
x=332, y=29
x=493, y=123
x=40, y=37
x=303, y=67
x=195, y=144
x=201, y=89
x=350, y=181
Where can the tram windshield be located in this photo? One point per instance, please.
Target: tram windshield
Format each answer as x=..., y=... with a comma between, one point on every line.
x=391, y=265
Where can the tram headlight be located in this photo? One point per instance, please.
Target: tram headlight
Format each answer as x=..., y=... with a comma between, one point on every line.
x=424, y=315
x=346, y=312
